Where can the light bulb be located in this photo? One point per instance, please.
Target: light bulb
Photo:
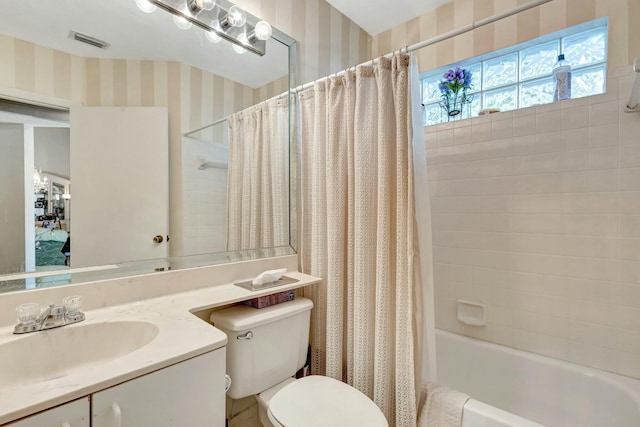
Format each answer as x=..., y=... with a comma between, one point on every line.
x=181, y=22
x=236, y=16
x=212, y=36
x=263, y=30
x=146, y=6
x=242, y=38
x=198, y=5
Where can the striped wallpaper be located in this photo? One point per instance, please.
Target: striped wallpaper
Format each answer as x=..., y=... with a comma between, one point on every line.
x=327, y=40
x=624, y=44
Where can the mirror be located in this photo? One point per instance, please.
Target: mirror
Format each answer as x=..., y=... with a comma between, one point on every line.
x=149, y=63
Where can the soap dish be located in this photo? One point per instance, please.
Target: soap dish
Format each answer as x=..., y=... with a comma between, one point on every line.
x=284, y=280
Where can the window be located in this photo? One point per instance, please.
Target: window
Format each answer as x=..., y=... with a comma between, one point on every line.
x=521, y=76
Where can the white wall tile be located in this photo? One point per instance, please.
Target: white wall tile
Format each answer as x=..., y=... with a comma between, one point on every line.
x=603, y=180
x=481, y=132
x=629, y=225
x=604, y=135
x=603, y=158
x=603, y=203
x=630, y=272
x=603, y=113
x=630, y=179
x=524, y=125
x=537, y=214
x=630, y=154
x=501, y=129
x=445, y=138
x=575, y=139
x=628, y=294
x=548, y=122
x=630, y=130
x=629, y=249
x=574, y=118
x=462, y=134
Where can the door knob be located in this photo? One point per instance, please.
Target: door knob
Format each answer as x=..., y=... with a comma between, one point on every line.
x=158, y=239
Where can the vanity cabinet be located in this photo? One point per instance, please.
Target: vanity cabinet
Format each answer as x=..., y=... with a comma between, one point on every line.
x=190, y=393
x=72, y=414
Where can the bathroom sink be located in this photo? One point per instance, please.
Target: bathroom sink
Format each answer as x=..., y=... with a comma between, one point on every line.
x=55, y=353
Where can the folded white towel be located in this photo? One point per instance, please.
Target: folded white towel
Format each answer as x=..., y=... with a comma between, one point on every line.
x=440, y=406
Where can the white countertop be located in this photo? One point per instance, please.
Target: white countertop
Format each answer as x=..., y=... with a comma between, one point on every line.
x=181, y=335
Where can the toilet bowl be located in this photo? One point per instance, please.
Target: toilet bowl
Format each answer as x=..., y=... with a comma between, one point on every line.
x=318, y=401
x=265, y=348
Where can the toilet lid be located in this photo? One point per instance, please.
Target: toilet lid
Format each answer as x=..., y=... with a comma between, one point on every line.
x=317, y=401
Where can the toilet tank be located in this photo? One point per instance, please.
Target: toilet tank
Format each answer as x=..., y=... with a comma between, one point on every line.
x=266, y=346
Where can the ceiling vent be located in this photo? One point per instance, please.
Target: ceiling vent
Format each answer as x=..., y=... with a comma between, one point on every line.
x=84, y=38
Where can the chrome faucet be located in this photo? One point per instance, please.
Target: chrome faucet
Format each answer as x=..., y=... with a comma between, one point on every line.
x=53, y=316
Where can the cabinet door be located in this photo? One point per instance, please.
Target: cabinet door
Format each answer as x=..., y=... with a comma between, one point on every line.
x=190, y=393
x=73, y=414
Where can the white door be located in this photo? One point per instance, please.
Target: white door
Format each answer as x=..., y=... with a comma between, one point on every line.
x=119, y=184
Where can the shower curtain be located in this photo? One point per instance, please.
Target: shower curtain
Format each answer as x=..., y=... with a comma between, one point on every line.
x=358, y=233
x=258, y=180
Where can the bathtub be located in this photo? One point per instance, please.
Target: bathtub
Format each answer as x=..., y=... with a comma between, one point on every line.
x=532, y=390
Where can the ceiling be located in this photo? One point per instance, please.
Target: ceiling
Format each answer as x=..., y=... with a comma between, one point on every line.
x=133, y=34
x=376, y=16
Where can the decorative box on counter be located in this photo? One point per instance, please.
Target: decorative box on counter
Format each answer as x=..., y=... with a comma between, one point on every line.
x=268, y=300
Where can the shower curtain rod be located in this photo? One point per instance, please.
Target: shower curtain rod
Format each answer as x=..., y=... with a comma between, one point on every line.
x=217, y=122
x=408, y=49
x=437, y=39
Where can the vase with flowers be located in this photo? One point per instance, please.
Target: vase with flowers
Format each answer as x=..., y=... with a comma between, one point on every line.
x=453, y=89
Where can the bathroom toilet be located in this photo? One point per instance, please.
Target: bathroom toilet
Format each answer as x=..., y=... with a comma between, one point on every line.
x=266, y=348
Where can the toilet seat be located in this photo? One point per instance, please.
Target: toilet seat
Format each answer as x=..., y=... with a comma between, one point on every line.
x=317, y=401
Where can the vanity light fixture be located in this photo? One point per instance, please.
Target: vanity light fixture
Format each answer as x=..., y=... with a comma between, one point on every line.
x=181, y=22
x=262, y=31
x=242, y=38
x=220, y=19
x=146, y=6
x=196, y=6
x=212, y=36
x=235, y=17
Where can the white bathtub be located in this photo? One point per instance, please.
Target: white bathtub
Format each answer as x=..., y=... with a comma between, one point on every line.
x=537, y=389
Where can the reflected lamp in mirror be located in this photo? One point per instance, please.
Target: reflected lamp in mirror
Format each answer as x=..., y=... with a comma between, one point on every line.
x=219, y=19
x=40, y=184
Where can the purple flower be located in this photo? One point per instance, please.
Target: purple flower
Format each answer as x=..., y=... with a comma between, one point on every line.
x=459, y=74
x=449, y=76
x=454, y=81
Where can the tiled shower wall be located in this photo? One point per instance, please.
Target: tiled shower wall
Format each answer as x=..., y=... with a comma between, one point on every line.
x=536, y=213
x=204, y=196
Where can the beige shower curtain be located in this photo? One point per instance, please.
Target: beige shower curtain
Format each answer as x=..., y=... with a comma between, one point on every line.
x=258, y=179
x=357, y=233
